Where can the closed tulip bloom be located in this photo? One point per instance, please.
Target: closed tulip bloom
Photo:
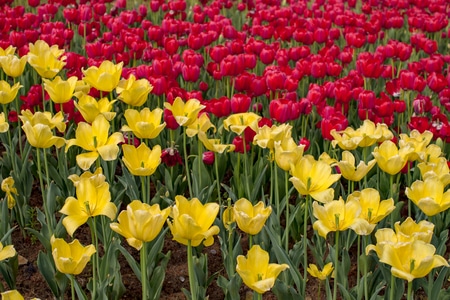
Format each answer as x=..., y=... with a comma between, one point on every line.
x=390, y=159
x=372, y=209
x=93, y=199
x=193, y=221
x=338, y=215
x=59, y=90
x=10, y=191
x=46, y=64
x=134, y=92
x=41, y=136
x=249, y=218
x=439, y=168
x=141, y=161
x=90, y=108
x=8, y=93
x=314, y=178
x=71, y=258
x=239, y=122
x=411, y=260
x=429, y=195
x=145, y=124
x=12, y=65
x=203, y=123
x=95, y=139
x=214, y=144
x=418, y=141
x=350, y=171
x=255, y=270
x=97, y=177
x=287, y=152
x=44, y=118
x=266, y=136
x=409, y=229
x=6, y=252
x=185, y=113
x=4, y=126
x=140, y=223
x=321, y=275
x=104, y=78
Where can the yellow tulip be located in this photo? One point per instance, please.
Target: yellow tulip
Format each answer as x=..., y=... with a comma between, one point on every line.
x=249, y=218
x=145, y=124
x=438, y=168
x=134, y=92
x=267, y=136
x=372, y=209
x=390, y=159
x=94, y=199
x=141, y=161
x=411, y=260
x=411, y=230
x=90, y=108
x=321, y=275
x=4, y=125
x=202, y=123
x=429, y=195
x=365, y=136
x=7, y=51
x=12, y=65
x=8, y=93
x=47, y=61
x=287, y=153
x=94, y=139
x=40, y=47
x=41, y=136
x=239, y=122
x=228, y=217
x=8, y=187
x=432, y=153
x=350, y=171
x=6, y=252
x=140, y=223
x=70, y=258
x=44, y=118
x=98, y=178
x=192, y=221
x=12, y=295
x=255, y=270
x=314, y=178
x=418, y=141
x=214, y=144
x=105, y=77
x=338, y=215
x=59, y=90
x=184, y=113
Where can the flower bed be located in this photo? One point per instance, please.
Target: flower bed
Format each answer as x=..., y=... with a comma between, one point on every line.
x=287, y=141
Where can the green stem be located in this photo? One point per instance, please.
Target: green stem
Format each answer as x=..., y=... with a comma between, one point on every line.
x=277, y=196
x=271, y=191
x=391, y=189
x=366, y=287
x=286, y=231
x=391, y=288
x=258, y=296
x=410, y=293
x=41, y=183
x=305, y=244
x=192, y=279
x=199, y=163
x=144, y=270
x=95, y=257
x=250, y=241
x=246, y=169
x=216, y=167
x=188, y=175
x=72, y=286
x=144, y=193
x=336, y=264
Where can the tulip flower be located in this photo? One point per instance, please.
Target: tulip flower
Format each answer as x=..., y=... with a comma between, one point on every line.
x=90, y=108
x=141, y=161
x=9, y=50
x=41, y=136
x=140, y=223
x=8, y=93
x=202, y=123
x=134, y=92
x=12, y=65
x=70, y=258
x=6, y=252
x=10, y=190
x=59, y=90
x=239, y=122
x=4, y=125
x=12, y=295
x=352, y=172
x=321, y=275
x=418, y=141
x=44, y=118
x=287, y=152
x=314, y=178
x=145, y=124
x=185, y=113
x=104, y=78
x=255, y=270
x=214, y=144
x=94, y=139
x=390, y=159
x=249, y=218
x=440, y=168
x=372, y=209
x=47, y=61
x=429, y=195
x=266, y=136
x=94, y=199
x=192, y=221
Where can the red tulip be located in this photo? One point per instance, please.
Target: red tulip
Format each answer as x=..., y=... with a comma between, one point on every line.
x=171, y=157
x=240, y=103
x=208, y=157
x=419, y=123
x=238, y=142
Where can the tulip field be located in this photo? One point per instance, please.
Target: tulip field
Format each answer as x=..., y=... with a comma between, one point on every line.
x=224, y=149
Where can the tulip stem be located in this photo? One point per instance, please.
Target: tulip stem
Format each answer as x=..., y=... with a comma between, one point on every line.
x=250, y=241
x=246, y=170
x=391, y=288
x=286, y=231
x=305, y=244
x=192, y=280
x=95, y=257
x=410, y=294
x=188, y=175
x=366, y=288
x=144, y=192
x=144, y=270
x=258, y=296
x=72, y=286
x=41, y=183
x=336, y=262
